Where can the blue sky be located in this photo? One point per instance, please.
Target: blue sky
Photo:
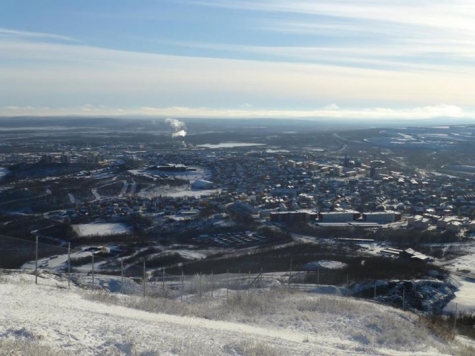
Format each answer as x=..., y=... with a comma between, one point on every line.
x=223, y=58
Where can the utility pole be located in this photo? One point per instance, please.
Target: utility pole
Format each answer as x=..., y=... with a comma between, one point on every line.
x=182, y=286
x=403, y=299
x=121, y=276
x=144, y=279
x=347, y=289
x=212, y=283
x=455, y=318
x=93, y=285
x=69, y=265
x=200, y=286
x=36, y=260
x=290, y=272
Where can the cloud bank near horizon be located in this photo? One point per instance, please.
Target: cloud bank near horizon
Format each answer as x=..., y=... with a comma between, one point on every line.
x=331, y=111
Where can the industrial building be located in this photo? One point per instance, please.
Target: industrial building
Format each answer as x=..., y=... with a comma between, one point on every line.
x=382, y=217
x=339, y=216
x=292, y=216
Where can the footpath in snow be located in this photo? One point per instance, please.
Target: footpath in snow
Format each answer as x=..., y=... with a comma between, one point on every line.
x=71, y=320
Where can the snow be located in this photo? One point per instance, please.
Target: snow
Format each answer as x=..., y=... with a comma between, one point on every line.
x=133, y=187
x=96, y=194
x=201, y=184
x=124, y=188
x=197, y=173
x=464, y=298
x=101, y=229
x=192, y=255
x=463, y=274
x=193, y=193
x=3, y=172
x=176, y=192
x=230, y=145
x=463, y=263
x=325, y=264
x=76, y=321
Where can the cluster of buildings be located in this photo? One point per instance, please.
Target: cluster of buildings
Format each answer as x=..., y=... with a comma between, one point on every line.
x=454, y=224
x=289, y=187
x=336, y=218
x=65, y=158
x=281, y=186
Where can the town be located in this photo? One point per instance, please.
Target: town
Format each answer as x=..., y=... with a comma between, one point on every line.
x=205, y=199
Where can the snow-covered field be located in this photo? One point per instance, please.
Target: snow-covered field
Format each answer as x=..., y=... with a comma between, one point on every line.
x=101, y=229
x=463, y=268
x=176, y=192
x=463, y=263
x=80, y=322
x=313, y=266
x=464, y=300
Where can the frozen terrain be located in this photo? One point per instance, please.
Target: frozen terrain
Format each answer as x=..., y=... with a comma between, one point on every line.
x=80, y=322
x=464, y=300
x=3, y=172
x=176, y=192
x=463, y=273
x=101, y=229
x=230, y=145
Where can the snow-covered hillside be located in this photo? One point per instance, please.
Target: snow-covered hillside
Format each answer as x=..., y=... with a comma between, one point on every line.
x=78, y=322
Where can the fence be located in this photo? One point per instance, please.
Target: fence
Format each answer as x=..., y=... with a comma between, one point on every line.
x=138, y=272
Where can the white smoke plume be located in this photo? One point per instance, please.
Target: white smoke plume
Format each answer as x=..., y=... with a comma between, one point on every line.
x=181, y=133
x=178, y=126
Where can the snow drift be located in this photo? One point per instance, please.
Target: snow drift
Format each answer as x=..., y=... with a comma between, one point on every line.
x=81, y=322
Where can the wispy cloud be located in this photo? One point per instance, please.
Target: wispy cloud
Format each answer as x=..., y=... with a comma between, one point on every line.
x=384, y=56
x=15, y=34
x=403, y=33
x=72, y=73
x=356, y=53
x=456, y=15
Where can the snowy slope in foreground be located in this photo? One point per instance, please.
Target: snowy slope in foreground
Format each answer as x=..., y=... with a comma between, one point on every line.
x=63, y=319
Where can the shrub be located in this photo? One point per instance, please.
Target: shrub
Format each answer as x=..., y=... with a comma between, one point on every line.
x=443, y=325
x=80, y=261
x=164, y=260
x=28, y=348
x=253, y=348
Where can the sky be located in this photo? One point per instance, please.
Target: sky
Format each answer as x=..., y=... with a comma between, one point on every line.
x=375, y=59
